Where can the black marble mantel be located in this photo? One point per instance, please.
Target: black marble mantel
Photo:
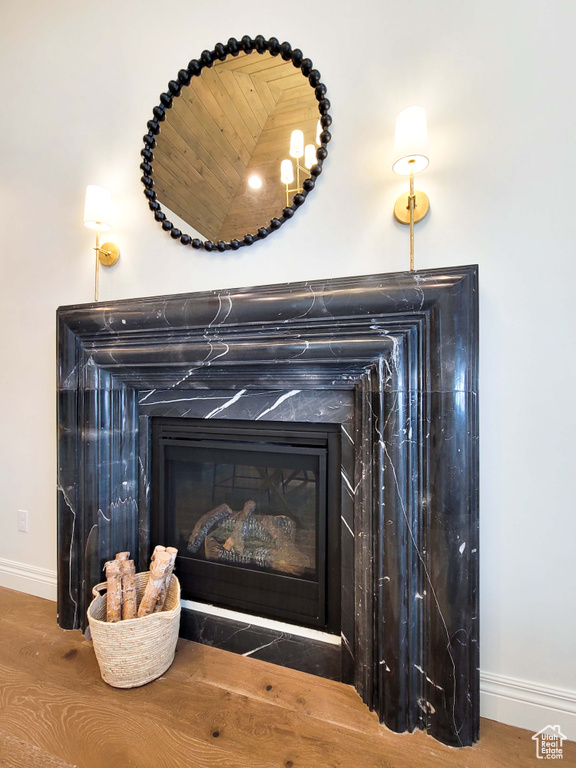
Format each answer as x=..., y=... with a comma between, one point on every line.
x=394, y=359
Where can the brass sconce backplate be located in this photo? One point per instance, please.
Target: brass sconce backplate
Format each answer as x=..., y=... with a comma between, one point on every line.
x=402, y=209
x=108, y=253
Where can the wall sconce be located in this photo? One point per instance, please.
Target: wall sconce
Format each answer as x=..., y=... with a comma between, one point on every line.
x=97, y=217
x=298, y=150
x=411, y=156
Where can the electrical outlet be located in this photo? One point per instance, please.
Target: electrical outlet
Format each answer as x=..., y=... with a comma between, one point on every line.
x=23, y=520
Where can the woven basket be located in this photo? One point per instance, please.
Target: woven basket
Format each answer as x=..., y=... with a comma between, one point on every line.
x=135, y=651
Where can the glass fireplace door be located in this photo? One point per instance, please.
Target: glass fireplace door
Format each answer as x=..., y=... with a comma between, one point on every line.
x=249, y=518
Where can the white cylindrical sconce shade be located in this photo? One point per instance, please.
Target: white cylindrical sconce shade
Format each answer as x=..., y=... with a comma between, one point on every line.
x=97, y=208
x=309, y=155
x=411, y=141
x=286, y=172
x=296, y=144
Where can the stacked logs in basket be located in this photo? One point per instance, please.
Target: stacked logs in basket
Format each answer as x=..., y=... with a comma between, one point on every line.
x=121, y=600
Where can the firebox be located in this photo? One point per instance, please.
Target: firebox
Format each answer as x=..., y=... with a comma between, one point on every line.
x=253, y=510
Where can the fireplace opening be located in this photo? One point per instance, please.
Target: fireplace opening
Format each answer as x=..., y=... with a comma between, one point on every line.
x=254, y=510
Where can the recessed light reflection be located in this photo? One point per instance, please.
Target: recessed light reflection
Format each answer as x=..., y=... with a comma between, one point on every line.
x=255, y=182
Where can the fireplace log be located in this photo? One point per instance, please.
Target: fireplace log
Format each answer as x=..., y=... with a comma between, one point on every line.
x=205, y=523
x=283, y=556
x=270, y=540
x=113, y=590
x=278, y=526
x=213, y=550
x=158, y=571
x=236, y=540
x=287, y=558
x=173, y=552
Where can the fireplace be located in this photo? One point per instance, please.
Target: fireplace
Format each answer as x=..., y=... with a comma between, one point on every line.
x=253, y=508
x=386, y=365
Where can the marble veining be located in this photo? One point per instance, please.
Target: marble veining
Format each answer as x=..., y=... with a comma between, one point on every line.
x=264, y=643
x=393, y=360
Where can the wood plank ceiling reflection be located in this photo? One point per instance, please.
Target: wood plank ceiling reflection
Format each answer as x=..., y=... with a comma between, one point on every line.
x=233, y=121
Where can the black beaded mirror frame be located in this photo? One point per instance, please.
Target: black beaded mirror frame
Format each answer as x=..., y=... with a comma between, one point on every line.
x=233, y=47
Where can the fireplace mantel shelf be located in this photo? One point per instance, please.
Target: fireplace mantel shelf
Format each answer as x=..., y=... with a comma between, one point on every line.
x=392, y=359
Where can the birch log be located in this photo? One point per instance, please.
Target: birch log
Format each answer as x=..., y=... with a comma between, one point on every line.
x=158, y=570
x=128, y=589
x=113, y=590
x=157, y=549
x=172, y=551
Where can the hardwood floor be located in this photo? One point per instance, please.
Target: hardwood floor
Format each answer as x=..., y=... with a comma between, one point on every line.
x=212, y=709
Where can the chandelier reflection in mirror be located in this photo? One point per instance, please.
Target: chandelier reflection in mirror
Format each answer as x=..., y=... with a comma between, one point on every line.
x=298, y=150
x=216, y=140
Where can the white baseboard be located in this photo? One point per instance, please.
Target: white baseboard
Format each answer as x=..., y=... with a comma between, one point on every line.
x=505, y=699
x=527, y=705
x=28, y=578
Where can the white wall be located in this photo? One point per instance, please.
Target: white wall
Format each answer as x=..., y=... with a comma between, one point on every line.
x=78, y=82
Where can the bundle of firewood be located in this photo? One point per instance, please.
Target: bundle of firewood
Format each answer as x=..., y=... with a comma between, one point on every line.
x=121, y=599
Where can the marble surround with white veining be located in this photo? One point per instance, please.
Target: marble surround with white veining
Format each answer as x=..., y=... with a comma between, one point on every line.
x=392, y=358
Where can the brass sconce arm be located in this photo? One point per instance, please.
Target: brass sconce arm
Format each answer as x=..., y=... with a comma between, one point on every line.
x=107, y=254
x=411, y=156
x=409, y=209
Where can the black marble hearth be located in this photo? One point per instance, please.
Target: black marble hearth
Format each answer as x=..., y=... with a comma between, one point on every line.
x=267, y=644
x=392, y=361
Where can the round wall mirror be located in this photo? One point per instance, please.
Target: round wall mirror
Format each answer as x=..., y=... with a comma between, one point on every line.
x=236, y=143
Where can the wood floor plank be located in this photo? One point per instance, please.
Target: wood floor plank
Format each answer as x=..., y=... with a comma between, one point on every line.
x=96, y=738
x=317, y=697
x=199, y=708
x=211, y=709
x=16, y=753
x=261, y=693
x=196, y=713
x=27, y=611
